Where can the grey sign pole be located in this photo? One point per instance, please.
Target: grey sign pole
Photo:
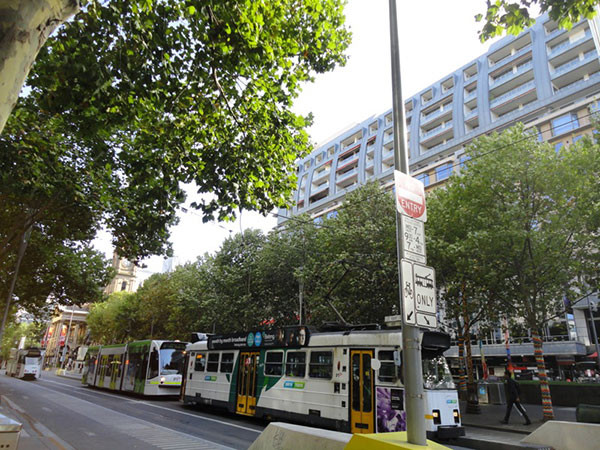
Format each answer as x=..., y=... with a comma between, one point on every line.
x=413, y=370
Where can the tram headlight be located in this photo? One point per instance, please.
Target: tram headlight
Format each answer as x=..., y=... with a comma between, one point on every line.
x=436, y=416
x=456, y=416
x=162, y=380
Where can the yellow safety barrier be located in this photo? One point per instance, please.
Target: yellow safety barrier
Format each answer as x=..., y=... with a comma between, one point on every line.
x=387, y=441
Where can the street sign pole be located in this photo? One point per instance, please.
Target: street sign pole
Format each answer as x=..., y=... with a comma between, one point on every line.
x=411, y=346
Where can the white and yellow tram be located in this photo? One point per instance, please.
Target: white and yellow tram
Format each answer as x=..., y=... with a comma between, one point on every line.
x=25, y=363
x=143, y=367
x=347, y=380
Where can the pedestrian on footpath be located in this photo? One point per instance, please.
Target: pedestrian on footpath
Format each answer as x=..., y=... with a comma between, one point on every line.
x=513, y=393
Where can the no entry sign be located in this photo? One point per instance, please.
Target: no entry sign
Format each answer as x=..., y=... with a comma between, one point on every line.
x=410, y=196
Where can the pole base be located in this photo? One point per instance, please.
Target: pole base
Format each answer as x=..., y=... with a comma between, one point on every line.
x=472, y=399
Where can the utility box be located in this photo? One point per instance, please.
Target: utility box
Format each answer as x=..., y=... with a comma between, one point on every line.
x=9, y=433
x=491, y=393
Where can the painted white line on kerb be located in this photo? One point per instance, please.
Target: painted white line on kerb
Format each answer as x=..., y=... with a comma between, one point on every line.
x=157, y=406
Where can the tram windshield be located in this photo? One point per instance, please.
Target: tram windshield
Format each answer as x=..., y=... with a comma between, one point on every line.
x=172, y=358
x=436, y=373
x=31, y=360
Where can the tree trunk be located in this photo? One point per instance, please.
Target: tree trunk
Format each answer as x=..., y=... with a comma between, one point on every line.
x=24, y=28
x=472, y=396
x=544, y=386
x=462, y=382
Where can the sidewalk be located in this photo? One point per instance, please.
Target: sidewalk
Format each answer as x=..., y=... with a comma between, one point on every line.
x=491, y=415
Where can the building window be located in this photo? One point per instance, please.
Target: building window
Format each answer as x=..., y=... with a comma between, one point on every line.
x=332, y=214
x=558, y=146
x=463, y=160
x=443, y=172
x=124, y=285
x=576, y=138
x=564, y=123
x=424, y=178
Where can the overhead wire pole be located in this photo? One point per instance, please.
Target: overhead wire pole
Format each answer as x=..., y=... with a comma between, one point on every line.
x=412, y=366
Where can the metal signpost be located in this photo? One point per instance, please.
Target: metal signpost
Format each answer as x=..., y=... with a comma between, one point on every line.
x=417, y=282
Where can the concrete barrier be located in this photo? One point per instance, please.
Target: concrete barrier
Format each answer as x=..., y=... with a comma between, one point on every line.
x=566, y=435
x=9, y=432
x=284, y=436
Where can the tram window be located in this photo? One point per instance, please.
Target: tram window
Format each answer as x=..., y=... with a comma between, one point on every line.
x=227, y=362
x=321, y=365
x=296, y=364
x=213, y=362
x=274, y=364
x=387, y=371
x=200, y=363
x=153, y=366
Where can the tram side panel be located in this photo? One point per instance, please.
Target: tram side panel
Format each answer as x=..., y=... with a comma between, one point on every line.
x=111, y=366
x=136, y=366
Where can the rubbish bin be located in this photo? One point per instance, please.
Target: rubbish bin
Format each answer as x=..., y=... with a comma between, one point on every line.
x=482, y=392
x=9, y=432
x=496, y=394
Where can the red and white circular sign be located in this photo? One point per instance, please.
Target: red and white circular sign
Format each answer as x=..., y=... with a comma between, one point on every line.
x=410, y=196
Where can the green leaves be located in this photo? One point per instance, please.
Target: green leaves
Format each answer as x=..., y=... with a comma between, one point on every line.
x=513, y=17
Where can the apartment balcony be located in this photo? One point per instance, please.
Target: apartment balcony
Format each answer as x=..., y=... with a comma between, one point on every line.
x=513, y=94
x=568, y=45
x=347, y=159
x=474, y=113
x=511, y=74
x=573, y=70
x=511, y=58
x=319, y=195
x=388, y=136
x=369, y=163
x=321, y=173
x=470, y=96
x=387, y=155
x=438, y=114
x=440, y=129
x=319, y=187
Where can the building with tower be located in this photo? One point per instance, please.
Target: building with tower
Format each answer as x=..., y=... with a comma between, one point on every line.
x=125, y=278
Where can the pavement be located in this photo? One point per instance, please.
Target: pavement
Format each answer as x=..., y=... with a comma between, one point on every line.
x=484, y=431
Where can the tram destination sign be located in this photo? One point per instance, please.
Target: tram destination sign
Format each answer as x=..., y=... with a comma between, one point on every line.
x=297, y=336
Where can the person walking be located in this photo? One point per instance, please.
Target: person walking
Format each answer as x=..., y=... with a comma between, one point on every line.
x=512, y=398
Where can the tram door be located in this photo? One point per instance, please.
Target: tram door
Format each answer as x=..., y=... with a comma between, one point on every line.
x=362, y=411
x=246, y=383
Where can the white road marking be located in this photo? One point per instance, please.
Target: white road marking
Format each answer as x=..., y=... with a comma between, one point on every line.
x=111, y=418
x=46, y=409
x=158, y=406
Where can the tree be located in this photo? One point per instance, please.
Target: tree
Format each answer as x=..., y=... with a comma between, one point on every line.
x=189, y=91
x=514, y=16
x=24, y=27
x=116, y=319
x=528, y=216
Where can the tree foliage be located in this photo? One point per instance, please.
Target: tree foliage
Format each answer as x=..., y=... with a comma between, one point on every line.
x=514, y=16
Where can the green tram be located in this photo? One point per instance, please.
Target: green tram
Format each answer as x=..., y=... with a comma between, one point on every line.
x=143, y=367
x=345, y=379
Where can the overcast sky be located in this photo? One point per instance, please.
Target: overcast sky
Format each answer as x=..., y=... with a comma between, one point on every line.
x=436, y=38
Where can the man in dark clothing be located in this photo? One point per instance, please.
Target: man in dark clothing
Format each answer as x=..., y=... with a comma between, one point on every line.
x=512, y=397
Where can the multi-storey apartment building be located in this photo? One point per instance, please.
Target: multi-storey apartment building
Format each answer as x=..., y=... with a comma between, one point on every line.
x=547, y=78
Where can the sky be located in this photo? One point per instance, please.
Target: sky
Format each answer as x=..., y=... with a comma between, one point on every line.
x=436, y=37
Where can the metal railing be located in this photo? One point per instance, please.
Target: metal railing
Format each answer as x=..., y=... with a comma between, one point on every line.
x=568, y=66
x=557, y=49
x=436, y=130
x=513, y=92
x=509, y=75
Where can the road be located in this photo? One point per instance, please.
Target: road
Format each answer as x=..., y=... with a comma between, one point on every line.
x=60, y=413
